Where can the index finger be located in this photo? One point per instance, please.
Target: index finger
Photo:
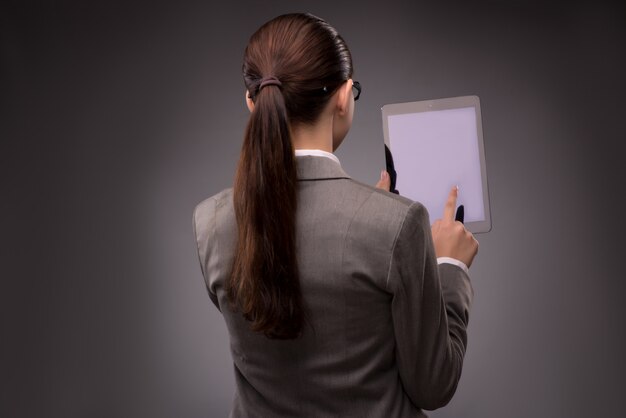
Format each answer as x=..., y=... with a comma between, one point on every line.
x=450, y=207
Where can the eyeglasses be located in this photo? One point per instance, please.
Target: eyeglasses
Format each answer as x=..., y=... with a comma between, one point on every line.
x=356, y=86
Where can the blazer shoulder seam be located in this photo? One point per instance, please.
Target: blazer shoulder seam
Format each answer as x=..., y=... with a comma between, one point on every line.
x=395, y=240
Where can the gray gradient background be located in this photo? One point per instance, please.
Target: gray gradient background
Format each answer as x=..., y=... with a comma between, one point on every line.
x=117, y=119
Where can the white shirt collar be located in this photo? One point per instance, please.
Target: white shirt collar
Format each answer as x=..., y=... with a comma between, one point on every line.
x=317, y=153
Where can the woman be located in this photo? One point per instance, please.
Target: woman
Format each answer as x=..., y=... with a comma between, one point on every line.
x=331, y=290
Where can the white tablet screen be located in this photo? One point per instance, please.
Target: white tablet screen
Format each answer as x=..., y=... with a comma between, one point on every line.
x=434, y=151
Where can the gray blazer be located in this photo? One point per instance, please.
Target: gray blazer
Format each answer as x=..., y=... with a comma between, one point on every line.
x=389, y=325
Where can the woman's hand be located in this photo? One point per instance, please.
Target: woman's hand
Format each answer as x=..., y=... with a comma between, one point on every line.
x=384, y=182
x=450, y=237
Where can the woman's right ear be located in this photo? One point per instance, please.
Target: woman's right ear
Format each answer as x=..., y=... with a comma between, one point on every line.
x=249, y=102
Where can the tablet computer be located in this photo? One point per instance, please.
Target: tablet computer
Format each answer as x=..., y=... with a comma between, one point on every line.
x=434, y=145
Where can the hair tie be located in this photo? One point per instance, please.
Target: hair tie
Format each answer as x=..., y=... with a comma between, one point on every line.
x=269, y=81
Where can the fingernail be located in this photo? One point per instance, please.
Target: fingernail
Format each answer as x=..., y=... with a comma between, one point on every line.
x=383, y=174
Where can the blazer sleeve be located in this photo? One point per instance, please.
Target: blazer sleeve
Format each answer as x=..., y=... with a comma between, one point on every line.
x=203, y=223
x=430, y=313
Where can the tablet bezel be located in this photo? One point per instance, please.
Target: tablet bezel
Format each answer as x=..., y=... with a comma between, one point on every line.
x=445, y=104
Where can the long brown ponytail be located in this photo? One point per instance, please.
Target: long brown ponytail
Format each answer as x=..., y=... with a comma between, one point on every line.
x=310, y=60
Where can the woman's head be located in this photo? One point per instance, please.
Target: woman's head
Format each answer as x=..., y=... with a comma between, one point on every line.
x=308, y=57
x=295, y=66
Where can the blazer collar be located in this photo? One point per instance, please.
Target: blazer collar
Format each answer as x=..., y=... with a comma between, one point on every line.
x=319, y=168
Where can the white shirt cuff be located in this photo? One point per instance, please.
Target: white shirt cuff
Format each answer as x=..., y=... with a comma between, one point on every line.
x=448, y=260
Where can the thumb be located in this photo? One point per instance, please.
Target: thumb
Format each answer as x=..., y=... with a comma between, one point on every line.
x=384, y=182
